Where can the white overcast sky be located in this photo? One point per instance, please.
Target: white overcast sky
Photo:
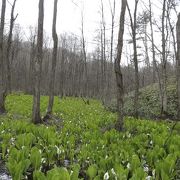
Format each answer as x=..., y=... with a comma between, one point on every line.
x=69, y=16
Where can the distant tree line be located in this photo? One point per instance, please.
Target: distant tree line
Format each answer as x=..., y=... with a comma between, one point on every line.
x=69, y=79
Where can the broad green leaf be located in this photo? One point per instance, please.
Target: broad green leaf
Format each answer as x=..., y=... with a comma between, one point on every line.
x=35, y=158
x=92, y=171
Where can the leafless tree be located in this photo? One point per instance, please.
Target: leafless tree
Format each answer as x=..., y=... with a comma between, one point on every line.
x=84, y=59
x=164, y=63
x=117, y=67
x=112, y=27
x=103, y=50
x=8, y=49
x=32, y=40
x=2, y=78
x=133, y=22
x=152, y=42
x=36, y=118
x=178, y=64
x=54, y=61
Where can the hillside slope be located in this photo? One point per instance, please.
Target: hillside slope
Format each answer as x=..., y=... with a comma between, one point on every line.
x=149, y=102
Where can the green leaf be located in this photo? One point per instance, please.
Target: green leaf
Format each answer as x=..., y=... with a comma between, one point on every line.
x=164, y=176
x=92, y=171
x=58, y=174
x=139, y=174
x=135, y=162
x=121, y=172
x=35, y=158
x=26, y=164
x=75, y=174
x=38, y=175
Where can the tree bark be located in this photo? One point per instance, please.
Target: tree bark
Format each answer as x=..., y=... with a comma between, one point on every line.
x=164, y=65
x=54, y=60
x=103, y=52
x=112, y=29
x=84, y=59
x=178, y=64
x=36, y=118
x=31, y=66
x=2, y=84
x=152, y=43
x=117, y=68
x=136, y=87
x=9, y=44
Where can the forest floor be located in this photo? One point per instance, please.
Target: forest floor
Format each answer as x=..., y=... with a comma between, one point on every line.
x=79, y=142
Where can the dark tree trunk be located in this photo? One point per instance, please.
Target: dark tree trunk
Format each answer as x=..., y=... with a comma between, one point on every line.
x=54, y=60
x=9, y=44
x=117, y=68
x=135, y=59
x=86, y=93
x=152, y=42
x=164, y=65
x=2, y=78
x=178, y=64
x=31, y=67
x=36, y=118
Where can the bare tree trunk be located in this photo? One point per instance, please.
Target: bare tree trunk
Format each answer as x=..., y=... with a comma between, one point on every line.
x=155, y=67
x=152, y=42
x=117, y=68
x=171, y=28
x=63, y=73
x=146, y=47
x=110, y=64
x=133, y=28
x=164, y=62
x=31, y=66
x=36, y=118
x=103, y=51
x=2, y=78
x=178, y=64
x=9, y=44
x=112, y=29
x=54, y=60
x=102, y=64
x=85, y=59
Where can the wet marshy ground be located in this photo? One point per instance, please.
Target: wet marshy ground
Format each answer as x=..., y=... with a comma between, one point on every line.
x=3, y=172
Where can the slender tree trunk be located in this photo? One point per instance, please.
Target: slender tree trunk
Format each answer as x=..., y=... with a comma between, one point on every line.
x=62, y=78
x=54, y=60
x=155, y=67
x=146, y=48
x=2, y=78
x=9, y=44
x=152, y=43
x=172, y=32
x=102, y=63
x=110, y=64
x=103, y=51
x=85, y=59
x=164, y=64
x=133, y=28
x=117, y=68
x=178, y=64
x=31, y=67
x=36, y=118
x=112, y=30
x=136, y=96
